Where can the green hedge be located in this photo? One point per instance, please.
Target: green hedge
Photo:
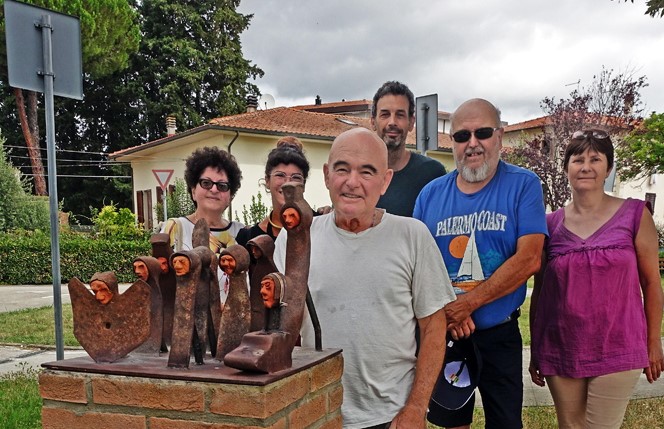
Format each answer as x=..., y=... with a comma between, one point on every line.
x=26, y=259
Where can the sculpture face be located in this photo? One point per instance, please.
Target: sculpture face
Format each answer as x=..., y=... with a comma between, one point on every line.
x=181, y=265
x=163, y=264
x=291, y=218
x=227, y=264
x=141, y=270
x=102, y=293
x=267, y=292
x=256, y=252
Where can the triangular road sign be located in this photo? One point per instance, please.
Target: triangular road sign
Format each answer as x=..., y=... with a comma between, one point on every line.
x=163, y=177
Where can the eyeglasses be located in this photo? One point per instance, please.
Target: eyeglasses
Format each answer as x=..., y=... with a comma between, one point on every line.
x=584, y=135
x=221, y=186
x=295, y=177
x=483, y=133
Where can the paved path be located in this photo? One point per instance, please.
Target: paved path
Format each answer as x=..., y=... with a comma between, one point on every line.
x=13, y=357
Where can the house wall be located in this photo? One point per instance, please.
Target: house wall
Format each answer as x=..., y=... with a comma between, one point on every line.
x=445, y=158
x=639, y=188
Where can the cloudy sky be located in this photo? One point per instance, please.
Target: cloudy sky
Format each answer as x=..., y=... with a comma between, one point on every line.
x=511, y=52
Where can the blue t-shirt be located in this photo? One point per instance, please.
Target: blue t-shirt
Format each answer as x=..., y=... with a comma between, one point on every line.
x=510, y=206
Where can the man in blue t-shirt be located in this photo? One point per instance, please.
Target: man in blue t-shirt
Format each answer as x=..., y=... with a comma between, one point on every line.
x=393, y=117
x=488, y=220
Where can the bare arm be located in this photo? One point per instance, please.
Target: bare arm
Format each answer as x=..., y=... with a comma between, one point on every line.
x=653, y=298
x=429, y=364
x=533, y=368
x=506, y=279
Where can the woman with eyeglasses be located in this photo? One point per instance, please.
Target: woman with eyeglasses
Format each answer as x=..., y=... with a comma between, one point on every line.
x=596, y=309
x=285, y=163
x=213, y=177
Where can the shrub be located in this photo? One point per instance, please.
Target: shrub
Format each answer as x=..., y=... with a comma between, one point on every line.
x=19, y=209
x=112, y=223
x=25, y=257
x=256, y=211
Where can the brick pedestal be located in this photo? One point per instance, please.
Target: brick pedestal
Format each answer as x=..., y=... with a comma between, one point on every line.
x=142, y=393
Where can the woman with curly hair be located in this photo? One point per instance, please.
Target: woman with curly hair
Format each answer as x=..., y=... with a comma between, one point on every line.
x=213, y=177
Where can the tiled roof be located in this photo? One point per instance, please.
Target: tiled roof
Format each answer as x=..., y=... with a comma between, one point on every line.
x=528, y=125
x=288, y=120
x=282, y=121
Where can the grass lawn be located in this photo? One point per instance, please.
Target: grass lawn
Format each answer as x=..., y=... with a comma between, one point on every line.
x=36, y=326
x=20, y=403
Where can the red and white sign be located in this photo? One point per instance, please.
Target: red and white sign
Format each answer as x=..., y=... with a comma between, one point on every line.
x=163, y=177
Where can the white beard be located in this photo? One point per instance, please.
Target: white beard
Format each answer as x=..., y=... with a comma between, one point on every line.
x=474, y=175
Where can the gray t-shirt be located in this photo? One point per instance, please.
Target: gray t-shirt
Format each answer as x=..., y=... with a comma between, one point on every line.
x=369, y=289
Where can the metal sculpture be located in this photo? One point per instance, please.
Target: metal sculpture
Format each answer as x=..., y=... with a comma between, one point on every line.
x=162, y=251
x=148, y=269
x=107, y=324
x=270, y=351
x=262, y=249
x=236, y=316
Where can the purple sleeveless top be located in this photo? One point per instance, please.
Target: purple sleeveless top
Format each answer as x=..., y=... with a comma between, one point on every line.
x=590, y=317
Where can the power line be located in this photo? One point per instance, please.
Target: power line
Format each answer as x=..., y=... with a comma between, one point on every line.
x=89, y=177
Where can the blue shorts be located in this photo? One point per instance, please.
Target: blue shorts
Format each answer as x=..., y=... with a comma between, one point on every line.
x=501, y=381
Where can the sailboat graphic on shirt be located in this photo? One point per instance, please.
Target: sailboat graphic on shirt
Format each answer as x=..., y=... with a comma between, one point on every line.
x=470, y=272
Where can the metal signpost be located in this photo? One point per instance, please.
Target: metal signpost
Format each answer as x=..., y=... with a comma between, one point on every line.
x=426, y=127
x=33, y=34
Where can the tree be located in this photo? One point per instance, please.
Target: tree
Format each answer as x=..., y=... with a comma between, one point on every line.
x=612, y=102
x=18, y=209
x=190, y=63
x=655, y=7
x=109, y=34
x=646, y=145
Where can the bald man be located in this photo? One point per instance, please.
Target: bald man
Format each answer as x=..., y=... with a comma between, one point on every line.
x=373, y=277
x=494, y=211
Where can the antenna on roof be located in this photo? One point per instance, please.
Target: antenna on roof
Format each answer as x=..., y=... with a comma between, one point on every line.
x=266, y=102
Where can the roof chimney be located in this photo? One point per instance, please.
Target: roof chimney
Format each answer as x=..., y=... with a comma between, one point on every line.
x=252, y=103
x=318, y=101
x=170, y=126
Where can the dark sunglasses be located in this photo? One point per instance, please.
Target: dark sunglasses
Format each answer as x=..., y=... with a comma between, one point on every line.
x=207, y=184
x=584, y=135
x=483, y=133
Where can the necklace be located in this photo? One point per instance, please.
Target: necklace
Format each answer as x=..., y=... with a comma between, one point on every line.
x=274, y=225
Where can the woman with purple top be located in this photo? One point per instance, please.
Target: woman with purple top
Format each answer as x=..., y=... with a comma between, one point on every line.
x=596, y=308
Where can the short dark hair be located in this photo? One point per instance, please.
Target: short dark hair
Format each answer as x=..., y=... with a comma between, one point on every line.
x=205, y=157
x=595, y=139
x=288, y=151
x=394, y=88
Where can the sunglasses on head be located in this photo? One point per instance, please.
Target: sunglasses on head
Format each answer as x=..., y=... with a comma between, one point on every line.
x=586, y=134
x=221, y=186
x=483, y=133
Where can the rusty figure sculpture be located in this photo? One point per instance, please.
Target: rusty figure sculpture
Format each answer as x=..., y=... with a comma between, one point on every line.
x=273, y=292
x=262, y=249
x=187, y=266
x=162, y=250
x=148, y=269
x=270, y=351
x=107, y=324
x=236, y=316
